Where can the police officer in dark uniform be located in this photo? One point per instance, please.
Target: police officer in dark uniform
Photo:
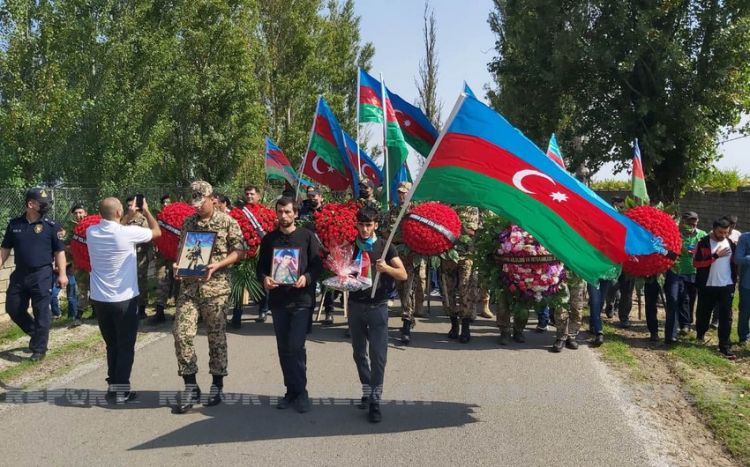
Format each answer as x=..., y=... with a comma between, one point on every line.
x=35, y=240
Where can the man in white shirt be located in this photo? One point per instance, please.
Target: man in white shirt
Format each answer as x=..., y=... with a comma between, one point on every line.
x=114, y=287
x=715, y=278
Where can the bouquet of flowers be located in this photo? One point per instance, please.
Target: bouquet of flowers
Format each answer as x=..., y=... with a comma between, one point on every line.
x=336, y=223
x=171, y=219
x=78, y=247
x=661, y=225
x=530, y=272
x=255, y=221
x=431, y=229
x=348, y=274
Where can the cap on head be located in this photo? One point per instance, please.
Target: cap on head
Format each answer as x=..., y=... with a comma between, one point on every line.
x=690, y=215
x=404, y=187
x=38, y=194
x=312, y=190
x=200, y=190
x=366, y=182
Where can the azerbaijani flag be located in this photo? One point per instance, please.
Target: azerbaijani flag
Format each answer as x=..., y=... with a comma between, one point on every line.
x=639, y=179
x=553, y=151
x=468, y=91
x=278, y=166
x=481, y=160
x=369, y=168
x=326, y=161
x=418, y=131
x=371, y=111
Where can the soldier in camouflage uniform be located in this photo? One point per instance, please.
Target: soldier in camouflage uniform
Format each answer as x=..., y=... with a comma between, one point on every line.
x=165, y=283
x=414, y=264
x=145, y=253
x=461, y=275
x=568, y=316
x=207, y=297
x=506, y=308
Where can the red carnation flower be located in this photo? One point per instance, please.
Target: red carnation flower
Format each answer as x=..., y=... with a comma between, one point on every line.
x=427, y=240
x=336, y=223
x=78, y=247
x=266, y=218
x=661, y=225
x=171, y=219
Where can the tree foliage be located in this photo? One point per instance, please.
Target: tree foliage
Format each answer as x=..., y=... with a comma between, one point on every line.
x=107, y=93
x=428, y=70
x=603, y=72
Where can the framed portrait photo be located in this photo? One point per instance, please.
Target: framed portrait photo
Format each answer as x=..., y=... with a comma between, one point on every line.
x=285, y=266
x=195, y=254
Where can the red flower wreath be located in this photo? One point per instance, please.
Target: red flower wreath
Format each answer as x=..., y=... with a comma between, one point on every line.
x=78, y=248
x=428, y=240
x=336, y=224
x=663, y=226
x=171, y=219
x=266, y=218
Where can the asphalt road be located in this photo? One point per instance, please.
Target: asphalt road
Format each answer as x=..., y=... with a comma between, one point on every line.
x=444, y=403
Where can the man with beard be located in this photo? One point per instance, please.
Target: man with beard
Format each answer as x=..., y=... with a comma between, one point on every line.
x=291, y=304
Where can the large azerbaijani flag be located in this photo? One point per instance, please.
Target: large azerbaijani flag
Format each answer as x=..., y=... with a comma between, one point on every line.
x=639, y=179
x=418, y=131
x=481, y=160
x=553, y=151
x=326, y=161
x=369, y=168
x=371, y=111
x=278, y=166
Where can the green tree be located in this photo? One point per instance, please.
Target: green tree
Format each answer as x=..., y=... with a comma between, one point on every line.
x=603, y=72
x=428, y=70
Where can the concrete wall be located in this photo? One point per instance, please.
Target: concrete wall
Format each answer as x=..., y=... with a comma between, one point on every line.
x=709, y=205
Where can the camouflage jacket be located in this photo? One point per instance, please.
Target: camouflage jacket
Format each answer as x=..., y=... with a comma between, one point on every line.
x=469, y=216
x=139, y=220
x=228, y=238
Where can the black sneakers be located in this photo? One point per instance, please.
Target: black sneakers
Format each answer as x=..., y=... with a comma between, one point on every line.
x=374, y=414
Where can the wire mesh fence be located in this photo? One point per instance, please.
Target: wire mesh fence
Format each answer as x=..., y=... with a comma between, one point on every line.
x=64, y=198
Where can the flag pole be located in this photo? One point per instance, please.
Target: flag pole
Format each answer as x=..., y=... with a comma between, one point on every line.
x=309, y=142
x=359, y=162
x=385, y=144
x=410, y=194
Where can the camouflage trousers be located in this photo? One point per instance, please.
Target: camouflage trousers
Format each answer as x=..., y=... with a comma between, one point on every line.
x=416, y=276
x=568, y=316
x=186, y=327
x=82, y=285
x=505, y=309
x=166, y=286
x=460, y=277
x=144, y=258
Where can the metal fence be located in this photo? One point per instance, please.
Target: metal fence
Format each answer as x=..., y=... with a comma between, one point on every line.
x=65, y=197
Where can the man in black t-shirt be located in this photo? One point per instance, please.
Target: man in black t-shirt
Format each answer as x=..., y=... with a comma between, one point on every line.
x=288, y=266
x=368, y=317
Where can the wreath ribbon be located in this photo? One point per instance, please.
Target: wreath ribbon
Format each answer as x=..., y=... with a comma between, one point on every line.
x=434, y=225
x=254, y=221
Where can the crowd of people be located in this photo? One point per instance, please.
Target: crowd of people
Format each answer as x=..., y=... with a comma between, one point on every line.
x=709, y=269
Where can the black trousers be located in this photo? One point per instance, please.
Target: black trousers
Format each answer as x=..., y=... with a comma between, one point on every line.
x=651, y=290
x=118, y=323
x=625, y=305
x=34, y=286
x=721, y=298
x=290, y=326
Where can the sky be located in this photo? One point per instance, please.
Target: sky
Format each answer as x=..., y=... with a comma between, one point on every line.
x=465, y=45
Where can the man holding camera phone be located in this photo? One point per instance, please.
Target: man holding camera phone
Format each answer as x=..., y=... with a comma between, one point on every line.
x=145, y=251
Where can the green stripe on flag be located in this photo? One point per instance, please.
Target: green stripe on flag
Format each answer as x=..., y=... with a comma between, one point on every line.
x=328, y=153
x=474, y=189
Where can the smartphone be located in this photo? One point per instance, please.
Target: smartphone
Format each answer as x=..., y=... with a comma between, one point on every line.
x=139, y=202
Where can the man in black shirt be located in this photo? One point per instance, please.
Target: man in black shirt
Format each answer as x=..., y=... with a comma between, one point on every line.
x=368, y=317
x=297, y=250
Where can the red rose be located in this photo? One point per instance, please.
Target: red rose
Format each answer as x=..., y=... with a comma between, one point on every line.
x=664, y=227
x=426, y=240
x=171, y=219
x=78, y=247
x=266, y=218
